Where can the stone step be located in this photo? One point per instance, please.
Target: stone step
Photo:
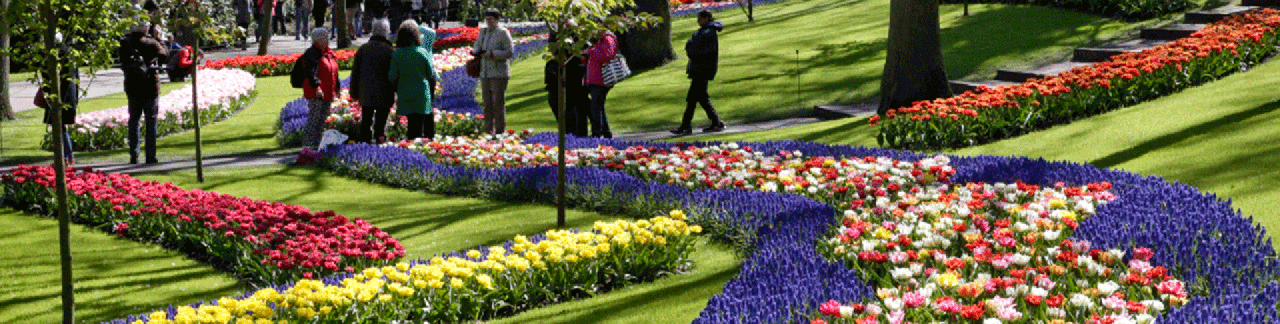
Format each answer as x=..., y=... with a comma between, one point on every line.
x=1104, y=53
x=1205, y=17
x=1171, y=32
x=829, y=112
x=1260, y=3
x=958, y=87
x=1038, y=73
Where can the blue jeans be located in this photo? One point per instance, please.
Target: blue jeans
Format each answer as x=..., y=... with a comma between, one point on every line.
x=142, y=106
x=301, y=23
x=599, y=120
x=354, y=15
x=67, y=152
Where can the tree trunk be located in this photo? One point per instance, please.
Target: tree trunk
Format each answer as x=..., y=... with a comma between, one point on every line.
x=264, y=27
x=52, y=64
x=913, y=69
x=650, y=47
x=6, y=109
x=561, y=177
x=340, y=25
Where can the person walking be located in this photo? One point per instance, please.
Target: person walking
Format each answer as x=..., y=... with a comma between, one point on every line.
x=494, y=48
x=370, y=86
x=302, y=13
x=600, y=53
x=277, y=19
x=355, y=12
x=320, y=65
x=138, y=52
x=318, y=10
x=70, y=96
x=703, y=50
x=436, y=12
x=413, y=73
x=577, y=104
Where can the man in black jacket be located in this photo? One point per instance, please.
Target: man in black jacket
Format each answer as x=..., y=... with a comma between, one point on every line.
x=318, y=10
x=577, y=105
x=369, y=84
x=703, y=50
x=139, y=55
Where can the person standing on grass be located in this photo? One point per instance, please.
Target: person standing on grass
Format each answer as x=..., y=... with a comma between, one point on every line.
x=70, y=98
x=495, y=49
x=302, y=11
x=138, y=53
x=703, y=50
x=413, y=73
x=369, y=84
x=577, y=104
x=601, y=52
x=320, y=65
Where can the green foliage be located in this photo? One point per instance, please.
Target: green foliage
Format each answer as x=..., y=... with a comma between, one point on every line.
x=575, y=21
x=212, y=20
x=90, y=29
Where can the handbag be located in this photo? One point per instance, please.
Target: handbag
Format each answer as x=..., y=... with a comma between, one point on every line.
x=615, y=71
x=40, y=101
x=473, y=67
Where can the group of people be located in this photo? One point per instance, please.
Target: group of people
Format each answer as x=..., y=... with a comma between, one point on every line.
x=359, y=14
x=586, y=92
x=403, y=75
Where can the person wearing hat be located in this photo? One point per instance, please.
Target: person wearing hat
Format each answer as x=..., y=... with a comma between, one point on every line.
x=495, y=49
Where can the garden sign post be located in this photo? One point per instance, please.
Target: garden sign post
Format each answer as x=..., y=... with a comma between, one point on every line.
x=571, y=21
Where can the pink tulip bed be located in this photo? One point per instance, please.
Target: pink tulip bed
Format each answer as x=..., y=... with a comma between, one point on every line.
x=260, y=242
x=223, y=93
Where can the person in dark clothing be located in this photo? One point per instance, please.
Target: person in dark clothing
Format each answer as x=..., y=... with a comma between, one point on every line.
x=369, y=84
x=703, y=50
x=577, y=102
x=302, y=15
x=318, y=10
x=138, y=53
x=70, y=97
x=376, y=9
x=277, y=19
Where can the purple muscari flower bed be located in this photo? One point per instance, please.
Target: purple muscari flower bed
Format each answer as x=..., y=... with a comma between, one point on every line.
x=1198, y=236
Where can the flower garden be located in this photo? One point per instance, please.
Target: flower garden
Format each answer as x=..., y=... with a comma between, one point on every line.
x=826, y=233
x=225, y=92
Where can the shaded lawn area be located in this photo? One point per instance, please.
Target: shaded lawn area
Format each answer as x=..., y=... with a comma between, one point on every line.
x=250, y=132
x=113, y=276
x=1219, y=137
x=841, y=47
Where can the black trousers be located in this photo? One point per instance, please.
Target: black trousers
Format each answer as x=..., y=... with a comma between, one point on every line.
x=698, y=95
x=374, y=118
x=421, y=126
x=575, y=108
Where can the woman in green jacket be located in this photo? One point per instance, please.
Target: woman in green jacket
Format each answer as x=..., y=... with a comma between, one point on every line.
x=413, y=73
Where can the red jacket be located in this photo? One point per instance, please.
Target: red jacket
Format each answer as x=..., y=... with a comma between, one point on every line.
x=598, y=55
x=327, y=72
x=184, y=58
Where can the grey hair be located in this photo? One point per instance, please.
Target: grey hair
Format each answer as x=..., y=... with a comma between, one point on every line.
x=319, y=34
x=409, y=23
x=381, y=27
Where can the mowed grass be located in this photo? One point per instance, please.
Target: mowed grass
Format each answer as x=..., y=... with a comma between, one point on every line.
x=113, y=276
x=841, y=50
x=117, y=277
x=250, y=132
x=429, y=224
x=1219, y=137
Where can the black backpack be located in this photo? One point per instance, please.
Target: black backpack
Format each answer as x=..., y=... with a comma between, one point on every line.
x=133, y=63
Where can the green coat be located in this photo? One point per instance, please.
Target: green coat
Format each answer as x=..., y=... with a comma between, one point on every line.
x=413, y=73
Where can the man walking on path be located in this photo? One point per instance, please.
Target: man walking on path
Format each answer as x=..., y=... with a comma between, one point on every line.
x=703, y=50
x=138, y=53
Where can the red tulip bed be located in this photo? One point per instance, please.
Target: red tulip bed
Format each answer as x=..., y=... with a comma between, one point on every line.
x=276, y=65
x=989, y=114
x=260, y=242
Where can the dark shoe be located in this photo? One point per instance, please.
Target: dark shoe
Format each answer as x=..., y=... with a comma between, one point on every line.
x=682, y=131
x=713, y=128
x=152, y=161
x=133, y=160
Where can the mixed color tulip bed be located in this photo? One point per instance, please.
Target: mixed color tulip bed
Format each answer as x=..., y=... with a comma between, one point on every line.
x=222, y=94
x=988, y=114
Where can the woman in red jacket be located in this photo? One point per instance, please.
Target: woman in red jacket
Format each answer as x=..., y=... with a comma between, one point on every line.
x=598, y=56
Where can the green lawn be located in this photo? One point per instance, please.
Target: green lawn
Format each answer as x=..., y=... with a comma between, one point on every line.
x=251, y=132
x=841, y=48
x=113, y=276
x=117, y=277
x=1219, y=137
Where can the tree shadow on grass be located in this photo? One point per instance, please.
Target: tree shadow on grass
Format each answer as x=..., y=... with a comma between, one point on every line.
x=1169, y=139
